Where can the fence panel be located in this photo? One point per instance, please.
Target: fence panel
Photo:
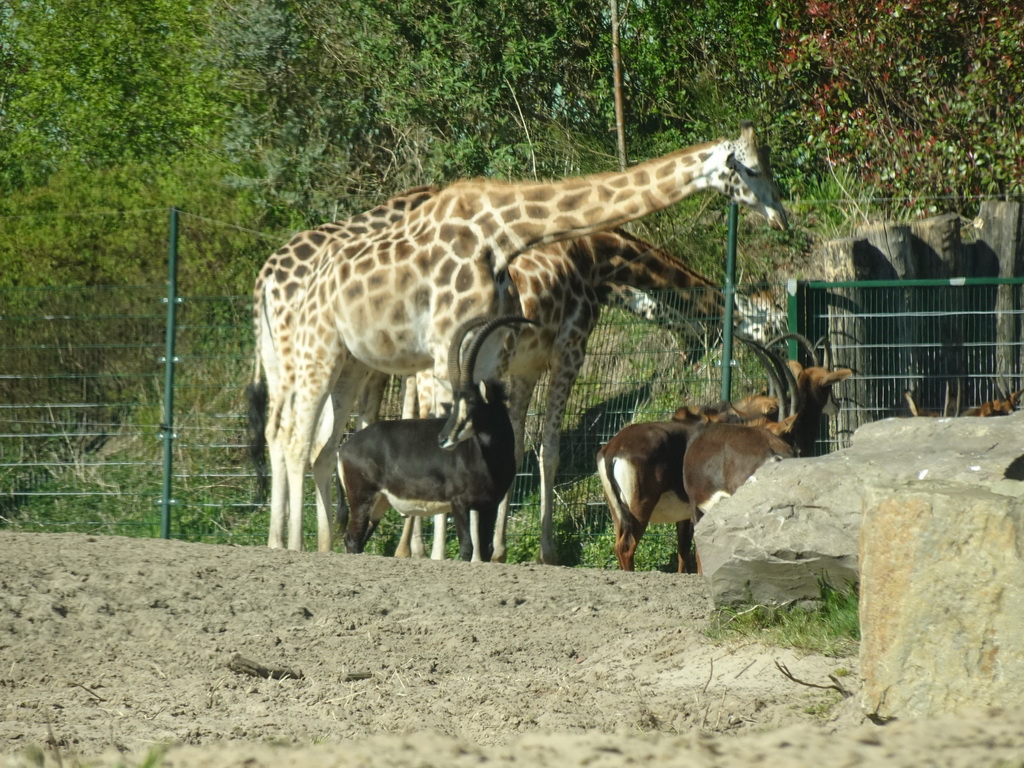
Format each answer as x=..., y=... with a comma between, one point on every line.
x=79, y=409
x=80, y=441
x=941, y=344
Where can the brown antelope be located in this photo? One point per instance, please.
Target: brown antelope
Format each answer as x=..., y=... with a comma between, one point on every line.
x=1000, y=406
x=643, y=468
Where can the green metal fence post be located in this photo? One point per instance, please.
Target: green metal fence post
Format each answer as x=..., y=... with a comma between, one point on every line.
x=730, y=294
x=167, y=427
x=792, y=310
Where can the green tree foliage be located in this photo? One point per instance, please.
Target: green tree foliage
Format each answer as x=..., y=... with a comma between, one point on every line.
x=109, y=114
x=920, y=97
x=109, y=227
x=293, y=112
x=692, y=75
x=96, y=83
x=339, y=100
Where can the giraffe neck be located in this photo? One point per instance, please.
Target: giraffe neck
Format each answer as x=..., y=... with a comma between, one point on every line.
x=622, y=259
x=515, y=217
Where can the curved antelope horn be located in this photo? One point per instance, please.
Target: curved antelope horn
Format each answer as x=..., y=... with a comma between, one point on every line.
x=826, y=346
x=796, y=402
x=772, y=367
x=455, y=347
x=804, y=342
x=466, y=379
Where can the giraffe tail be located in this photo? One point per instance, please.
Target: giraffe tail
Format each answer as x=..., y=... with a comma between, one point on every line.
x=256, y=395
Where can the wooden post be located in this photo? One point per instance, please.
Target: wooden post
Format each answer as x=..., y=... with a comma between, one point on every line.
x=937, y=249
x=883, y=251
x=885, y=254
x=1000, y=240
x=847, y=333
x=944, y=328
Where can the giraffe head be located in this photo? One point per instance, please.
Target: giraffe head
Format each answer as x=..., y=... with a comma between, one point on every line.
x=741, y=170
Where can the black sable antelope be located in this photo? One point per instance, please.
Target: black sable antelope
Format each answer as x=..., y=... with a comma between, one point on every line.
x=462, y=465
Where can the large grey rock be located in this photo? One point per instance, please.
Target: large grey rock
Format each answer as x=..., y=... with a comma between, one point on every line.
x=933, y=509
x=793, y=523
x=942, y=579
x=799, y=520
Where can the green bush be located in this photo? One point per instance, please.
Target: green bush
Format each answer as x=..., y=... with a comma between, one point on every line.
x=921, y=99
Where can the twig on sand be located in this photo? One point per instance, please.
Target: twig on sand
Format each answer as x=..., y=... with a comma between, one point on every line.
x=88, y=690
x=835, y=686
x=711, y=674
x=244, y=666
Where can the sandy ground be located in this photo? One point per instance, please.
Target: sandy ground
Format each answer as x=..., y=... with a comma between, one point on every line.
x=111, y=648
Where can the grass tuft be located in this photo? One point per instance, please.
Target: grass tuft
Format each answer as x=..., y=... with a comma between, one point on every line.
x=832, y=629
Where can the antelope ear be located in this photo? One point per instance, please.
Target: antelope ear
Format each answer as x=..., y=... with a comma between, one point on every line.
x=483, y=391
x=840, y=375
x=783, y=427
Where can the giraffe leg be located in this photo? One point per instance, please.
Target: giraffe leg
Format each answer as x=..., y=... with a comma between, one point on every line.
x=368, y=411
x=404, y=548
x=411, y=542
x=548, y=468
x=296, y=460
x=278, y=492
x=500, y=526
x=370, y=399
x=267, y=358
x=520, y=394
x=351, y=386
x=330, y=427
x=325, y=457
x=307, y=404
x=474, y=536
x=466, y=527
x=418, y=550
x=566, y=361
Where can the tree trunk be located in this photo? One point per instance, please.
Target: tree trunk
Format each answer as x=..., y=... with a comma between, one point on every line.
x=620, y=123
x=1000, y=243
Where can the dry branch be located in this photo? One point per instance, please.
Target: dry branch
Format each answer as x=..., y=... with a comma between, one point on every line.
x=244, y=666
x=835, y=686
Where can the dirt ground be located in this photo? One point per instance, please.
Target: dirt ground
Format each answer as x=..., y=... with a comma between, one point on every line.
x=111, y=648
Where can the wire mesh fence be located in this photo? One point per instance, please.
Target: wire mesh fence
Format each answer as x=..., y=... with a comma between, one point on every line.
x=922, y=347
x=82, y=393
x=80, y=425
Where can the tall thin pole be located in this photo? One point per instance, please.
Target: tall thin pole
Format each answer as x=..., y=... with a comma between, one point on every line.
x=167, y=427
x=620, y=123
x=730, y=293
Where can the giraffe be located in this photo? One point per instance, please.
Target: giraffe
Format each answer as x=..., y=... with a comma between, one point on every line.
x=560, y=286
x=388, y=301
x=280, y=284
